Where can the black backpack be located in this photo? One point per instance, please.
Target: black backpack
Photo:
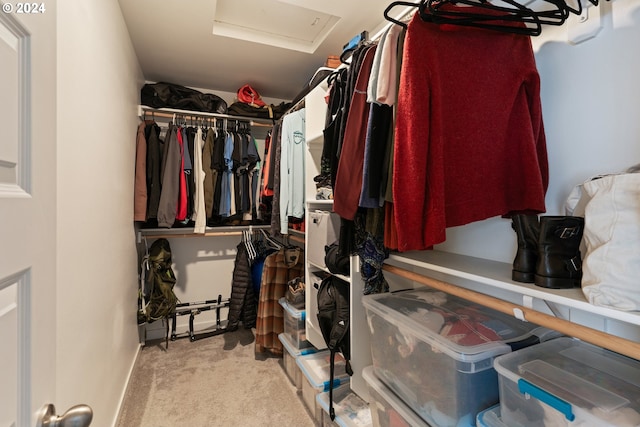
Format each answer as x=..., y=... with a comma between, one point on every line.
x=333, y=318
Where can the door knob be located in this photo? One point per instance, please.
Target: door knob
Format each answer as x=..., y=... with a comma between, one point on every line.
x=76, y=416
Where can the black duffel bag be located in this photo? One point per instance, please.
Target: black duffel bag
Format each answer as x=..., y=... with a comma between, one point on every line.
x=169, y=95
x=273, y=112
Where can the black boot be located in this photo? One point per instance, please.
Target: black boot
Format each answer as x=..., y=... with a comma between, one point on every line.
x=527, y=229
x=559, y=264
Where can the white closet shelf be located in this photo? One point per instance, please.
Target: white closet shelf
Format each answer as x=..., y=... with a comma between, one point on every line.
x=326, y=270
x=464, y=276
x=465, y=271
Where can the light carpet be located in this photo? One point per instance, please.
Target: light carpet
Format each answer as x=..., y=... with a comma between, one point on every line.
x=213, y=381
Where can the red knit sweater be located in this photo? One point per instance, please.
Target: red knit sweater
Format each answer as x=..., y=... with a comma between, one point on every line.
x=469, y=139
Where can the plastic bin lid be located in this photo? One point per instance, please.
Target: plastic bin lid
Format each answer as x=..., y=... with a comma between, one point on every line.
x=291, y=349
x=316, y=368
x=573, y=377
x=464, y=330
x=297, y=313
x=398, y=405
x=351, y=410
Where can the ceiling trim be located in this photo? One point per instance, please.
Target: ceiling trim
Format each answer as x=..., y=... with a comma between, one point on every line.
x=273, y=23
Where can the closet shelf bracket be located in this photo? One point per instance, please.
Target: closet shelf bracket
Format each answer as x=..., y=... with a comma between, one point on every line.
x=585, y=26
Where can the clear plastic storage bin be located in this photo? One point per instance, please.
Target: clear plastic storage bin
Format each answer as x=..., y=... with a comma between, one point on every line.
x=566, y=382
x=289, y=356
x=350, y=409
x=436, y=351
x=387, y=410
x=490, y=418
x=294, y=325
x=315, y=378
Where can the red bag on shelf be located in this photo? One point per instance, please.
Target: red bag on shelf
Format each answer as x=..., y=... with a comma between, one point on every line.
x=250, y=96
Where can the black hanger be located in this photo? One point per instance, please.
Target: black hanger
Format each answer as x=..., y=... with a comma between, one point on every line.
x=499, y=18
x=431, y=11
x=513, y=17
x=345, y=55
x=399, y=3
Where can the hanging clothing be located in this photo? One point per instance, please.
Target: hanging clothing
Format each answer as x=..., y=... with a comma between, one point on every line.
x=390, y=232
x=239, y=165
x=293, y=147
x=266, y=168
x=219, y=165
x=199, y=208
x=388, y=71
x=273, y=154
x=275, y=206
x=265, y=197
x=279, y=268
x=216, y=166
x=140, y=178
x=352, y=75
x=154, y=166
x=333, y=120
x=170, y=176
x=370, y=249
x=227, y=177
x=188, y=170
x=254, y=177
x=374, y=168
x=469, y=141
x=346, y=194
x=387, y=179
x=242, y=304
x=210, y=173
x=181, y=212
x=372, y=83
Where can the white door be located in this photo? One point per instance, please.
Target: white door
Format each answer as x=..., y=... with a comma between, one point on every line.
x=27, y=210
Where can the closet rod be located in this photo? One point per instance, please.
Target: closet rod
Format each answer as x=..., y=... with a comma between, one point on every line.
x=296, y=238
x=206, y=234
x=232, y=230
x=584, y=333
x=170, y=113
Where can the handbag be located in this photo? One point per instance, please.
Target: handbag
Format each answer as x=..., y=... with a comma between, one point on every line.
x=250, y=96
x=610, y=205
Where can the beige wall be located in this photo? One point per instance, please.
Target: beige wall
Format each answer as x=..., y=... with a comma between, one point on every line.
x=98, y=82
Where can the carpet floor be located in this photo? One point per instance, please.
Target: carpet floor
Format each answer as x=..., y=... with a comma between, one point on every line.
x=216, y=381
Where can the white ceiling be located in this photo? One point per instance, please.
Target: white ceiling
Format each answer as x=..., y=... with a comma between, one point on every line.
x=174, y=40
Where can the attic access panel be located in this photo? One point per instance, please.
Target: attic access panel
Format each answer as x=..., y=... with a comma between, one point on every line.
x=273, y=23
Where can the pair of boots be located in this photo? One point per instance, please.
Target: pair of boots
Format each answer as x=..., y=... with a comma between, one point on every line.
x=548, y=250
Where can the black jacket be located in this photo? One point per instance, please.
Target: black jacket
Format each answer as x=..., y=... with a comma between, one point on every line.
x=242, y=305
